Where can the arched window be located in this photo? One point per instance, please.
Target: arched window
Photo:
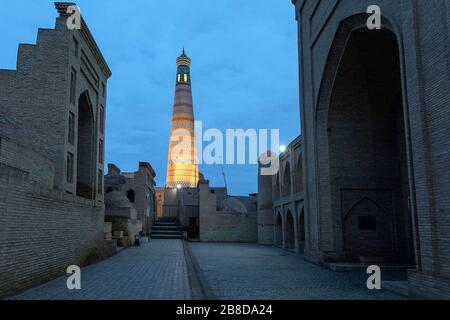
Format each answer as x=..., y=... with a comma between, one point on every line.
x=299, y=175
x=278, y=238
x=131, y=195
x=276, y=188
x=185, y=78
x=286, y=187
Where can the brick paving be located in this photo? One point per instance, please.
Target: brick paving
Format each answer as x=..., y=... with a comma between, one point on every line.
x=158, y=271
x=154, y=271
x=248, y=272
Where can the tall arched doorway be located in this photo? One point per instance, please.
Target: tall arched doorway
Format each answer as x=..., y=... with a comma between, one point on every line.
x=131, y=195
x=290, y=231
x=276, y=188
x=301, y=231
x=279, y=231
x=286, y=188
x=362, y=119
x=85, y=148
x=299, y=175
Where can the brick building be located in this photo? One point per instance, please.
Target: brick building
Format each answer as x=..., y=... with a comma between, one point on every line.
x=375, y=145
x=130, y=199
x=281, y=218
x=52, y=116
x=224, y=218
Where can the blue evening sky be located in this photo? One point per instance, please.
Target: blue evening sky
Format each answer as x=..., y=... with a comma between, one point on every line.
x=244, y=70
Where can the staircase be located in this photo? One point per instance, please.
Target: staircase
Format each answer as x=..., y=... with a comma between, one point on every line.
x=166, y=230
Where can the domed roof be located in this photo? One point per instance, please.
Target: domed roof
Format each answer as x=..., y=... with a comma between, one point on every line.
x=233, y=205
x=117, y=199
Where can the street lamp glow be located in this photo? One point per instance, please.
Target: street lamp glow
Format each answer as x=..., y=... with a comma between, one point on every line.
x=178, y=186
x=282, y=148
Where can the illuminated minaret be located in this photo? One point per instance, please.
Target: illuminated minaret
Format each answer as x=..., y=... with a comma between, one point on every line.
x=182, y=166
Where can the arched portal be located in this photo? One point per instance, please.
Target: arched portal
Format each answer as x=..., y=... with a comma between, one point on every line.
x=362, y=120
x=276, y=188
x=131, y=195
x=290, y=231
x=286, y=187
x=85, y=148
x=299, y=175
x=279, y=231
x=301, y=231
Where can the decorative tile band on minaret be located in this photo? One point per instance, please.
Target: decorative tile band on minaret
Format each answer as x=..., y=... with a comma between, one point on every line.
x=182, y=165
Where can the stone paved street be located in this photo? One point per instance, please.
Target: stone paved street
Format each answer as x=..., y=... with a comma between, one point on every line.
x=158, y=270
x=247, y=271
x=154, y=271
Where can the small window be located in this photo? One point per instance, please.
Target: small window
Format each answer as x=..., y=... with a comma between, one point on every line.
x=71, y=137
x=185, y=78
x=100, y=151
x=69, y=168
x=367, y=223
x=76, y=46
x=131, y=195
x=73, y=85
x=179, y=77
x=100, y=182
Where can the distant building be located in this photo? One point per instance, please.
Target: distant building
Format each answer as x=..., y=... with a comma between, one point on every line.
x=225, y=218
x=281, y=219
x=130, y=200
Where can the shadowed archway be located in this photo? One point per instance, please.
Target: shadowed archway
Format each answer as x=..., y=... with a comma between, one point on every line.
x=301, y=231
x=286, y=187
x=299, y=175
x=290, y=231
x=362, y=146
x=85, y=148
x=279, y=231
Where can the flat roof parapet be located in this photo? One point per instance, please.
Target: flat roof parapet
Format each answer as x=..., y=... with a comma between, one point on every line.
x=61, y=7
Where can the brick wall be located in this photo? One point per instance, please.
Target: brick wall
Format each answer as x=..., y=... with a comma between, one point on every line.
x=224, y=226
x=220, y=226
x=421, y=30
x=22, y=157
x=43, y=231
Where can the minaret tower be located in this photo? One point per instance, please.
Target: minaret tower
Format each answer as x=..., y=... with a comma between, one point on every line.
x=182, y=166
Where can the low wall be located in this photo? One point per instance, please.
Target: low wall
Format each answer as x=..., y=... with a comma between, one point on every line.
x=43, y=231
x=220, y=226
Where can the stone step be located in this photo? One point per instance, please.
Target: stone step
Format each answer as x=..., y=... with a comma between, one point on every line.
x=167, y=231
x=362, y=267
x=165, y=222
x=165, y=227
x=166, y=236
